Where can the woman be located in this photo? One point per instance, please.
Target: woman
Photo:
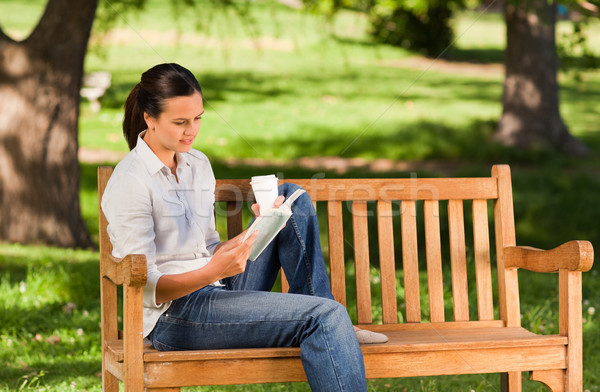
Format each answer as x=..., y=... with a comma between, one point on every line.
x=202, y=293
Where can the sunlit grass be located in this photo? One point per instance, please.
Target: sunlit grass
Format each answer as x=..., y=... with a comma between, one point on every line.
x=288, y=85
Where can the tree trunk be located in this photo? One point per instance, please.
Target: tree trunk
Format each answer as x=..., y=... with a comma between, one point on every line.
x=40, y=79
x=531, y=115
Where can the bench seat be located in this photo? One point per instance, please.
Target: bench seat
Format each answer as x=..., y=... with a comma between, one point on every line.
x=413, y=350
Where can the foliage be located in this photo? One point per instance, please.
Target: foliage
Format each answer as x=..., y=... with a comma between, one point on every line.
x=573, y=47
x=421, y=26
x=417, y=25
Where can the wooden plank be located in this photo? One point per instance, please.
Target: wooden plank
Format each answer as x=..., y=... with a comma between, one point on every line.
x=570, y=324
x=336, y=251
x=508, y=285
x=410, y=261
x=104, y=173
x=387, y=266
x=434, y=326
x=234, y=219
x=483, y=268
x=285, y=286
x=435, y=280
x=133, y=365
x=472, y=361
x=325, y=189
x=377, y=365
x=361, y=258
x=224, y=372
x=108, y=289
x=572, y=256
x=458, y=260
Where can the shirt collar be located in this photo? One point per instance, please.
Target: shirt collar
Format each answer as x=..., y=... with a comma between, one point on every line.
x=152, y=162
x=183, y=160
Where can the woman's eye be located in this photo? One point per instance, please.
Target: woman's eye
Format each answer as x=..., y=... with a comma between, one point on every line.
x=178, y=122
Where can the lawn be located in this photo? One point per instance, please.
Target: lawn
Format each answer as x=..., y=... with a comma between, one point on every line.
x=286, y=90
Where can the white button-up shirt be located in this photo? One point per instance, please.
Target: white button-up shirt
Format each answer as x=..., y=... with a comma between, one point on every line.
x=172, y=222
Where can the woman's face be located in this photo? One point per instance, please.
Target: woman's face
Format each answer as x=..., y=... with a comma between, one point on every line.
x=175, y=129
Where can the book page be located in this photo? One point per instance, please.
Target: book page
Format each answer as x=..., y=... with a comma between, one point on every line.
x=269, y=224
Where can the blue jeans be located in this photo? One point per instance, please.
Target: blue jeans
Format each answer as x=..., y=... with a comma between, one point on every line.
x=247, y=314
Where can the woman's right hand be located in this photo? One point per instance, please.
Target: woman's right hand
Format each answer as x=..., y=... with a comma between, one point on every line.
x=231, y=256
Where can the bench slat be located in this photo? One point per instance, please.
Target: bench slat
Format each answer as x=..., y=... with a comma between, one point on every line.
x=361, y=260
x=434, y=260
x=336, y=251
x=325, y=189
x=234, y=219
x=387, y=266
x=458, y=260
x=410, y=261
x=483, y=272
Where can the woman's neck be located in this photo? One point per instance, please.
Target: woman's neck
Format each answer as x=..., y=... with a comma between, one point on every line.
x=167, y=157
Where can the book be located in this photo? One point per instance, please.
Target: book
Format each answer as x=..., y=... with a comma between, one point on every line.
x=269, y=224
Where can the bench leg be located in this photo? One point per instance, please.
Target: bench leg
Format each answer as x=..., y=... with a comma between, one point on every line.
x=109, y=382
x=554, y=380
x=510, y=382
x=176, y=389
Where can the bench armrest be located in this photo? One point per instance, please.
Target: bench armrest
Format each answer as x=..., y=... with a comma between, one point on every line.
x=571, y=256
x=131, y=270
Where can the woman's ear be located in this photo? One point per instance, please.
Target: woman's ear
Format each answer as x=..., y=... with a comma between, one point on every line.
x=149, y=121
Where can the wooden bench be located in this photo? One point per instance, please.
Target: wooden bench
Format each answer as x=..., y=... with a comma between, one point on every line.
x=478, y=337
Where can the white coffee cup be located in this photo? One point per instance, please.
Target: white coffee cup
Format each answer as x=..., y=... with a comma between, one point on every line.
x=265, y=190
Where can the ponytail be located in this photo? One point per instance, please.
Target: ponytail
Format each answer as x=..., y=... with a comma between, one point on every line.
x=159, y=83
x=133, y=122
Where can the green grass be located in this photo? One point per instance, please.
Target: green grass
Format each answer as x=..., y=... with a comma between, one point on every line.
x=285, y=85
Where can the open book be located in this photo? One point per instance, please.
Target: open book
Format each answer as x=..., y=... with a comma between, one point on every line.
x=269, y=224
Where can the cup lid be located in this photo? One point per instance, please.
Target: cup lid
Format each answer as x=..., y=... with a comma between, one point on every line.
x=269, y=177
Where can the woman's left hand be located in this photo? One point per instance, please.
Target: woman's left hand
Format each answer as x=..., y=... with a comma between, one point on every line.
x=278, y=202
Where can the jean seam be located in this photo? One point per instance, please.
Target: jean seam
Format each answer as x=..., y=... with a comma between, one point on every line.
x=330, y=354
x=182, y=321
x=307, y=265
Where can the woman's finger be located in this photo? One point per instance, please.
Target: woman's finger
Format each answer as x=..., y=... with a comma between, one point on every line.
x=279, y=201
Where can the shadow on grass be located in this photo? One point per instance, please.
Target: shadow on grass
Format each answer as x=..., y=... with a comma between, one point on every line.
x=476, y=56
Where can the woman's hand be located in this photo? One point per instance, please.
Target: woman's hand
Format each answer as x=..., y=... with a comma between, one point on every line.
x=229, y=259
x=278, y=202
x=231, y=256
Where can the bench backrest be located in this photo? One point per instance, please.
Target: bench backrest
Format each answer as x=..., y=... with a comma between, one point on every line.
x=393, y=204
x=405, y=213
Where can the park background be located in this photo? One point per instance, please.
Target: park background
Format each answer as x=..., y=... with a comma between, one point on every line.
x=297, y=94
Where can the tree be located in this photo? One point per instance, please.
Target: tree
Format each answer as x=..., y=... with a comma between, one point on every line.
x=531, y=113
x=40, y=79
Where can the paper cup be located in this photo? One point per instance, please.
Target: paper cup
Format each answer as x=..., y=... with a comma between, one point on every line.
x=265, y=190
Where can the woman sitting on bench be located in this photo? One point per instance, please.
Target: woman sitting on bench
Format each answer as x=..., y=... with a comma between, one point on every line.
x=202, y=293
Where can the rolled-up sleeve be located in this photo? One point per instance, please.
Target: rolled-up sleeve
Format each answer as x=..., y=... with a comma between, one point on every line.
x=212, y=237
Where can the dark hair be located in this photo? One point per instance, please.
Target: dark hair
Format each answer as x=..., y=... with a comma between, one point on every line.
x=160, y=82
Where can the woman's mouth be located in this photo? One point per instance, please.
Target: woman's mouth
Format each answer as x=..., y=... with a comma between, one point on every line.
x=187, y=141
